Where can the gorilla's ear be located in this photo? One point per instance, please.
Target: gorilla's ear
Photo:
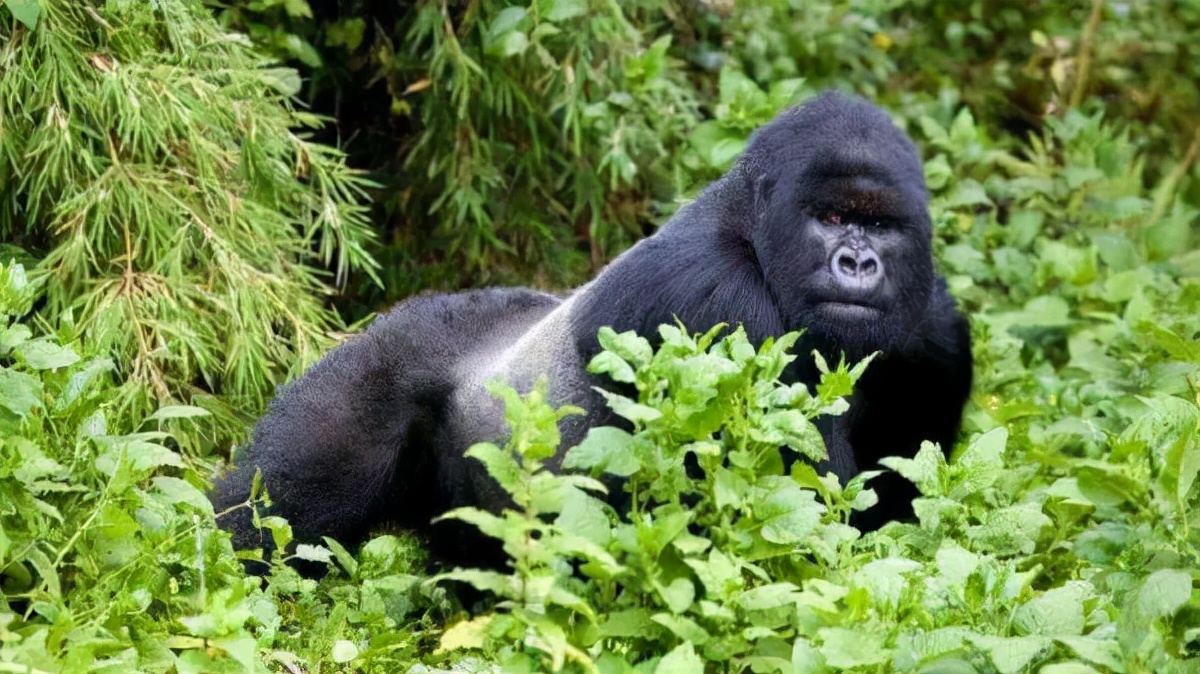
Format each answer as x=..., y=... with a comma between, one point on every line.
x=762, y=188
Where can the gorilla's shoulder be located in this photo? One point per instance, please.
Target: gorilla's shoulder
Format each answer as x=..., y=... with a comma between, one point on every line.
x=945, y=331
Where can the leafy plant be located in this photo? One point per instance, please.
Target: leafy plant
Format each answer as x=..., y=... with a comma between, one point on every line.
x=744, y=568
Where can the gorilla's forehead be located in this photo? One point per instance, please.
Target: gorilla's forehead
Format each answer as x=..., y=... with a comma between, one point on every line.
x=862, y=194
x=835, y=135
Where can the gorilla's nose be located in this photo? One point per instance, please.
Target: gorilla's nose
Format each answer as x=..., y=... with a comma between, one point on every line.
x=857, y=269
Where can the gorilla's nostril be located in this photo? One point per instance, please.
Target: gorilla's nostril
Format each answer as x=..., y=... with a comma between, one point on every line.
x=847, y=265
x=869, y=267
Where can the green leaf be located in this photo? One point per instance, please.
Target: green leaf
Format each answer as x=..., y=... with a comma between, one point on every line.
x=681, y=660
x=1058, y=611
x=1103, y=652
x=766, y=597
x=313, y=553
x=298, y=8
x=500, y=465
x=614, y=366
x=636, y=622
x=1163, y=593
x=685, y=628
x=505, y=36
x=1011, y=530
x=466, y=634
x=1012, y=654
x=44, y=354
x=141, y=455
x=1068, y=668
x=344, y=651
x=791, y=428
x=19, y=392
x=923, y=470
x=604, y=448
x=25, y=11
x=286, y=81
x=561, y=10
x=244, y=650
x=678, y=595
x=717, y=145
x=84, y=380
x=178, y=412
x=631, y=410
x=628, y=345
x=847, y=649
x=720, y=574
x=788, y=513
x=584, y=516
x=176, y=491
x=886, y=579
x=13, y=336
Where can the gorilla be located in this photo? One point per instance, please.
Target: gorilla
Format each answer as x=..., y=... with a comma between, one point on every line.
x=821, y=225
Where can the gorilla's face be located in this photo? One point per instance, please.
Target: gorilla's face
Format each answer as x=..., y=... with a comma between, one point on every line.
x=846, y=253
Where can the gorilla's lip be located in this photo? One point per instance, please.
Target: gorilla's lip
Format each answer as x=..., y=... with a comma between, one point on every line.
x=851, y=309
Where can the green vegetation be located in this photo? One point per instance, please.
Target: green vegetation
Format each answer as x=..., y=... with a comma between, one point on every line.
x=172, y=246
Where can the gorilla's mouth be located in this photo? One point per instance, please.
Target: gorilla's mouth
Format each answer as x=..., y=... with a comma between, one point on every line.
x=851, y=310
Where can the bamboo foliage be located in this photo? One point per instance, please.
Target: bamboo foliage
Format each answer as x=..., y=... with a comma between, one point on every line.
x=156, y=165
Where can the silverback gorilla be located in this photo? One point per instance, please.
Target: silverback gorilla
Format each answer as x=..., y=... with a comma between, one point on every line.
x=821, y=225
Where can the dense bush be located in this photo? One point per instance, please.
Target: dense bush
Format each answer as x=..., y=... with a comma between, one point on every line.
x=575, y=125
x=167, y=233
x=152, y=164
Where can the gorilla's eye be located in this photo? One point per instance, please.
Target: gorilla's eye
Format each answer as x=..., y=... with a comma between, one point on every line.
x=832, y=218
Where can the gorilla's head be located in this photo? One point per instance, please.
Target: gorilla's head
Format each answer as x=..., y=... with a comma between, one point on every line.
x=841, y=223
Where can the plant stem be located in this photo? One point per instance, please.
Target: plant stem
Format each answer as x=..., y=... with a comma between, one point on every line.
x=1085, y=52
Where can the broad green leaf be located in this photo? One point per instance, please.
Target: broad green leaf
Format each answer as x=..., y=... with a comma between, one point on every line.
x=682, y=660
x=44, y=354
x=244, y=650
x=1012, y=654
x=141, y=455
x=178, y=412
x=678, y=595
x=466, y=634
x=627, y=345
x=685, y=628
x=765, y=597
x=19, y=392
x=1163, y=593
x=787, y=512
x=636, y=622
x=25, y=11
x=1058, y=611
x=176, y=490
x=344, y=651
x=583, y=515
x=1068, y=668
x=605, y=448
x=561, y=10
x=847, y=648
x=924, y=469
x=886, y=579
x=313, y=553
x=1009, y=531
x=500, y=465
x=13, y=336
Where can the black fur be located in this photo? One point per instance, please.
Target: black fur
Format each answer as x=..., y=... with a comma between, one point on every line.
x=821, y=225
